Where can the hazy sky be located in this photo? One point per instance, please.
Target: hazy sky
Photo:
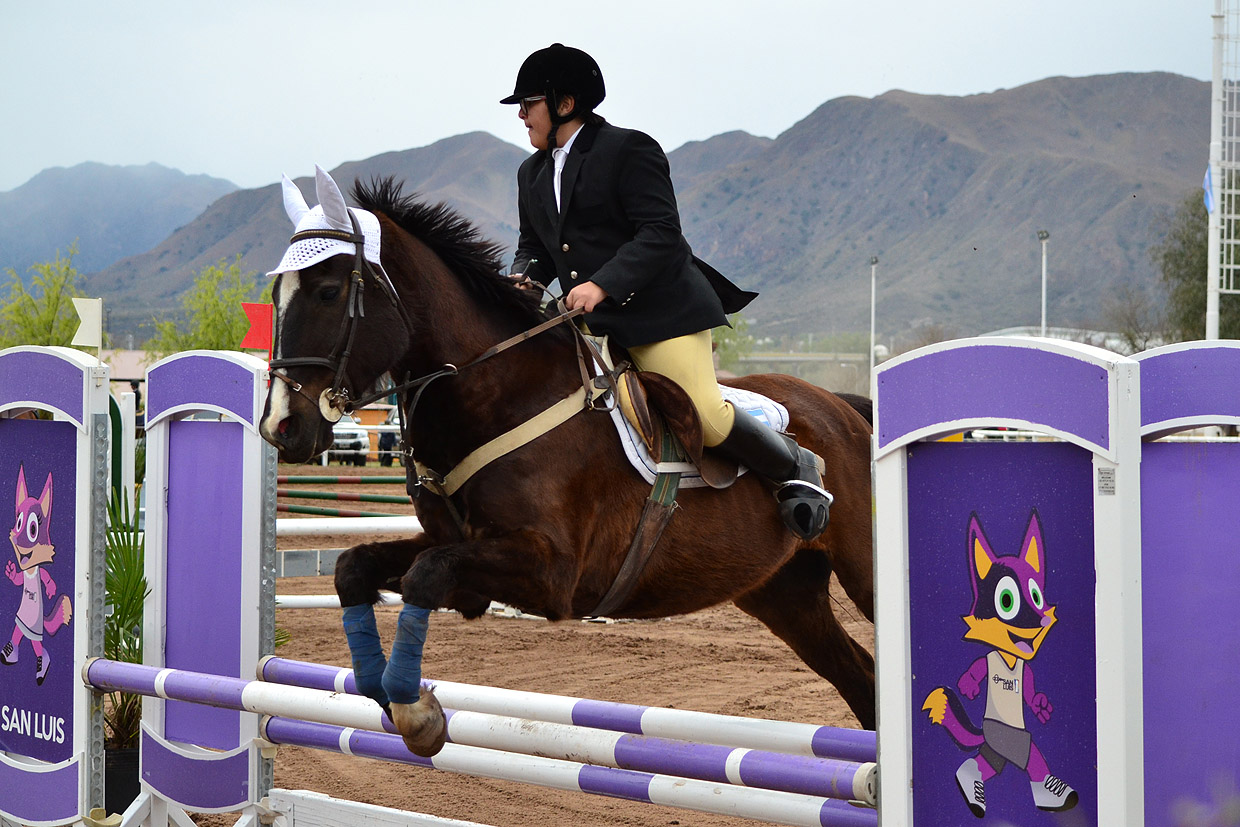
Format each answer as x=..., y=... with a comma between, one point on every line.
x=247, y=89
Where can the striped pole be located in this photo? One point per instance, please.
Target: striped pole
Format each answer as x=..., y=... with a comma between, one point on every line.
x=770, y=806
x=352, y=496
x=327, y=512
x=856, y=745
x=819, y=777
x=376, y=479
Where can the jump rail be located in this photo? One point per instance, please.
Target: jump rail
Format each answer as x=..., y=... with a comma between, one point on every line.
x=497, y=734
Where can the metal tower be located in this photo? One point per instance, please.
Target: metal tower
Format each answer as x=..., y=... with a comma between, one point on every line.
x=1223, y=192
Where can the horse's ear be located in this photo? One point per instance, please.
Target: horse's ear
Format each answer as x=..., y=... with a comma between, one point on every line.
x=294, y=203
x=334, y=209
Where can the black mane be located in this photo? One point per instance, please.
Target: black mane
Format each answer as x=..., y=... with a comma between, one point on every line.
x=474, y=259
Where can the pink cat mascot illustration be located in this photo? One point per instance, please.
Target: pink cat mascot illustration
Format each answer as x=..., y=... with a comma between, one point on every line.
x=33, y=548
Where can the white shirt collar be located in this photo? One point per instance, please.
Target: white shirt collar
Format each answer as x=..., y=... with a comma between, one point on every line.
x=563, y=150
x=560, y=156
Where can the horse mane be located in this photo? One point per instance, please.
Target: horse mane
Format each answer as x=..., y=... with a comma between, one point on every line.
x=474, y=259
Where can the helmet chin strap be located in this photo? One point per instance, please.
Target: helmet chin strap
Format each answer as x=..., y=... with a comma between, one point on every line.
x=557, y=120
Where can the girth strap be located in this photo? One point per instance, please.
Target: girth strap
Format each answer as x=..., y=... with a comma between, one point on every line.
x=656, y=514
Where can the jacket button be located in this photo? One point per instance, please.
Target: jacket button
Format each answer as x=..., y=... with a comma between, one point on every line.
x=564, y=247
x=573, y=274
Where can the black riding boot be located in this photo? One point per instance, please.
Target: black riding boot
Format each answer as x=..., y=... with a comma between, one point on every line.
x=803, y=503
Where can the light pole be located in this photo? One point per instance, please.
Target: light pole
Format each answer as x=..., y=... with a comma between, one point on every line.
x=873, y=293
x=1043, y=236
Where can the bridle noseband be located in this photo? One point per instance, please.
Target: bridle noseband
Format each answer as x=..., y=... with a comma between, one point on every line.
x=335, y=400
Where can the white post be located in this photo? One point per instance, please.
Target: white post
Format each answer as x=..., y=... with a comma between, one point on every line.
x=873, y=293
x=1213, y=251
x=1043, y=236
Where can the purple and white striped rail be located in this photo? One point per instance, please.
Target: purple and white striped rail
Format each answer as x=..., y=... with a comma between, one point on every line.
x=823, y=777
x=857, y=745
x=766, y=805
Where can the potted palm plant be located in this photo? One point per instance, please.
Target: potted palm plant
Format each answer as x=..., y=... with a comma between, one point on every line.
x=125, y=582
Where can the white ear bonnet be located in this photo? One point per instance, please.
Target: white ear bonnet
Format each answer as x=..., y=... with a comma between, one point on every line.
x=330, y=214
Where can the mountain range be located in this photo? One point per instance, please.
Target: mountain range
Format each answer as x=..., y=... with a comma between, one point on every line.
x=111, y=212
x=947, y=192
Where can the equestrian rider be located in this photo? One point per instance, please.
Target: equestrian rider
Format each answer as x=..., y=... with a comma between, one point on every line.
x=598, y=213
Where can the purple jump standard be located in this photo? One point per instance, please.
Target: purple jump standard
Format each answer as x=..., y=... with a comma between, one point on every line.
x=722, y=799
x=857, y=745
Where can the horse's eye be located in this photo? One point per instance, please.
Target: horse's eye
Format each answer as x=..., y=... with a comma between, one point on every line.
x=329, y=293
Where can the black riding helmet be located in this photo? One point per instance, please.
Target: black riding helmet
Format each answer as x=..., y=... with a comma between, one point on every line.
x=556, y=71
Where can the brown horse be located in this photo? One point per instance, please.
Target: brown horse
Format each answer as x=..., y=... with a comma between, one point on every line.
x=546, y=527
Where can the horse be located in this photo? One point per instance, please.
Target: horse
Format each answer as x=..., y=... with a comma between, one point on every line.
x=544, y=528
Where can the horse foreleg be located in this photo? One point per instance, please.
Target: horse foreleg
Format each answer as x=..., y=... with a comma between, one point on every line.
x=796, y=606
x=364, y=569
x=522, y=567
x=437, y=574
x=360, y=572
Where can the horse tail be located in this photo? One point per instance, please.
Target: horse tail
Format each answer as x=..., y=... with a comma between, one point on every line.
x=861, y=404
x=946, y=710
x=60, y=616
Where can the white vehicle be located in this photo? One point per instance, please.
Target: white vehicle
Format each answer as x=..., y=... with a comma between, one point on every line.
x=351, y=442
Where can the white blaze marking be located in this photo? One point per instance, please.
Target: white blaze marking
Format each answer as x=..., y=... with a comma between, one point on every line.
x=279, y=408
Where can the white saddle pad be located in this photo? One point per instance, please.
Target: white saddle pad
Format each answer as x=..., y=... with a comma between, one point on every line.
x=747, y=403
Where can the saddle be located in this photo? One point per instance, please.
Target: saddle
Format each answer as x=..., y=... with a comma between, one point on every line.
x=656, y=406
x=653, y=404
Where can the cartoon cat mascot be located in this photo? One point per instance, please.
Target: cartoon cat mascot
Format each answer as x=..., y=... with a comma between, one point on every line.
x=34, y=551
x=1010, y=615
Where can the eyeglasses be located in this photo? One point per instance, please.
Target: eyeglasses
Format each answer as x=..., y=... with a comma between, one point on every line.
x=526, y=103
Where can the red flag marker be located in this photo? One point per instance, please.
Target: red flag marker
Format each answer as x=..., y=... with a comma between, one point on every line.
x=259, y=335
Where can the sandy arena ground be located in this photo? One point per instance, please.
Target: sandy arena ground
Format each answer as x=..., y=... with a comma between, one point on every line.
x=719, y=660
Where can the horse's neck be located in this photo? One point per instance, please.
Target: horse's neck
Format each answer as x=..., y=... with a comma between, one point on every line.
x=459, y=413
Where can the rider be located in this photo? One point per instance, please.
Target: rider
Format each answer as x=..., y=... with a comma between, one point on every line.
x=598, y=213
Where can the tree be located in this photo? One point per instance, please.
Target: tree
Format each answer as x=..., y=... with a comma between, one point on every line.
x=731, y=343
x=213, y=318
x=44, y=314
x=1181, y=259
x=1139, y=319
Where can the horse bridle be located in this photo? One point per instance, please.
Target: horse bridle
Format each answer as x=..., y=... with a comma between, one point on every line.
x=335, y=400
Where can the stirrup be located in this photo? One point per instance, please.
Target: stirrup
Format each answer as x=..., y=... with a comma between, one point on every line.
x=804, y=507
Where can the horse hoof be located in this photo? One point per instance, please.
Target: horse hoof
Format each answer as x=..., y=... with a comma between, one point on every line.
x=421, y=725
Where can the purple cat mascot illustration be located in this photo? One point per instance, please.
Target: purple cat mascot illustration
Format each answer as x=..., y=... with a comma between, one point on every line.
x=34, y=550
x=1011, y=616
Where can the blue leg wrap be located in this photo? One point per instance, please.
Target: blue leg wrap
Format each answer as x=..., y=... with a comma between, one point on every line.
x=367, y=651
x=403, y=677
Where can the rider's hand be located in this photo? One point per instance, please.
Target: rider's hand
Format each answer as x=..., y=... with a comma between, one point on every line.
x=587, y=295
x=520, y=280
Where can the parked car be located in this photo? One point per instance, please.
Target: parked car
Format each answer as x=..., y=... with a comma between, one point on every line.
x=351, y=442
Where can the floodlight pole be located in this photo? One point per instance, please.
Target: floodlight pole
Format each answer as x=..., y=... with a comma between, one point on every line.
x=1043, y=236
x=1214, y=233
x=873, y=294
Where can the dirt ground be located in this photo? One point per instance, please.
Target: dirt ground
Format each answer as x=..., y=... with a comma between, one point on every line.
x=719, y=660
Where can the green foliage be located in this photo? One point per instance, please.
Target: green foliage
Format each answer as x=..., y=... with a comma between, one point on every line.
x=1182, y=259
x=125, y=583
x=44, y=314
x=731, y=343
x=213, y=318
x=139, y=460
